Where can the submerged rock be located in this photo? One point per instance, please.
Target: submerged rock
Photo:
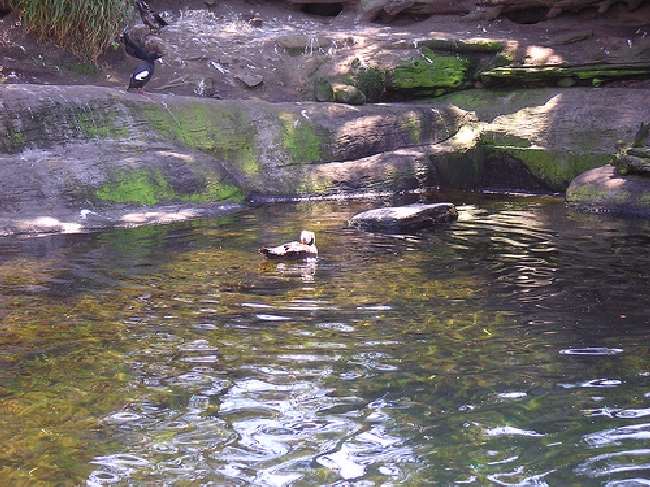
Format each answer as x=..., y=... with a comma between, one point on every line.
x=400, y=218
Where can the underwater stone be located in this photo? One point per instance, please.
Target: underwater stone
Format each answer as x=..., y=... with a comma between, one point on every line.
x=401, y=218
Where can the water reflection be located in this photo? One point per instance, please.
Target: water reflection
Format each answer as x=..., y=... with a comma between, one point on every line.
x=505, y=349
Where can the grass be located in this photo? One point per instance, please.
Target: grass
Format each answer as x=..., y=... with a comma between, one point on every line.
x=85, y=27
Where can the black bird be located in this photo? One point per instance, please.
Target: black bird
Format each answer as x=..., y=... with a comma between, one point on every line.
x=145, y=70
x=149, y=16
x=141, y=76
x=133, y=49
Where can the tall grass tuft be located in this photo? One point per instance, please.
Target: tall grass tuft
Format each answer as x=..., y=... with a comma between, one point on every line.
x=85, y=27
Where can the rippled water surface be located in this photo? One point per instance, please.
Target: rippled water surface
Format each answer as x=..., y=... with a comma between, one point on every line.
x=510, y=348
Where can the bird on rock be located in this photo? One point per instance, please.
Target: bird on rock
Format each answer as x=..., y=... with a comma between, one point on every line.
x=145, y=70
x=305, y=247
x=149, y=16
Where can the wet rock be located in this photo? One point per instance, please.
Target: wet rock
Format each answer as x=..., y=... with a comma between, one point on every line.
x=603, y=190
x=302, y=44
x=323, y=90
x=251, y=80
x=404, y=218
x=348, y=94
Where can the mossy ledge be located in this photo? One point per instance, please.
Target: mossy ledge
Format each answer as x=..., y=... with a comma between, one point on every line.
x=150, y=187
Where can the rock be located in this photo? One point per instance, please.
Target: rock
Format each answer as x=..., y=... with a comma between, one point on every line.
x=323, y=90
x=402, y=218
x=251, y=80
x=430, y=74
x=570, y=38
x=348, y=94
x=633, y=161
x=603, y=190
x=302, y=44
x=256, y=22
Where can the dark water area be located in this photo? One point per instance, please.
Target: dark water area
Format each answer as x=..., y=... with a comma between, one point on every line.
x=509, y=348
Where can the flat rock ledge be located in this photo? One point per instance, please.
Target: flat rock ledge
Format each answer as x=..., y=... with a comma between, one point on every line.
x=404, y=218
x=66, y=221
x=603, y=190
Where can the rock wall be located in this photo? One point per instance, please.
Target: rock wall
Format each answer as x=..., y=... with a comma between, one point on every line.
x=68, y=149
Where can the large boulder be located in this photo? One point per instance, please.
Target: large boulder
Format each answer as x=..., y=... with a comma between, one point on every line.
x=405, y=218
x=603, y=190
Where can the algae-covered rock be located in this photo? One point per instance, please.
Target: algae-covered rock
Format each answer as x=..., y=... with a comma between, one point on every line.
x=602, y=189
x=405, y=218
x=430, y=74
x=348, y=94
x=323, y=90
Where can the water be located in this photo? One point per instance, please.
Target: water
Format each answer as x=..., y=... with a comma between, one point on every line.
x=510, y=348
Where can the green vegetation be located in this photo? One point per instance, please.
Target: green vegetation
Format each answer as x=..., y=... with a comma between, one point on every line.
x=431, y=73
x=150, y=187
x=85, y=27
x=224, y=131
x=554, y=167
x=300, y=139
x=551, y=75
x=99, y=125
x=372, y=81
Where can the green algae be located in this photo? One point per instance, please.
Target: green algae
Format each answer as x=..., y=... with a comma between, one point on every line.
x=556, y=168
x=97, y=125
x=413, y=124
x=140, y=187
x=430, y=72
x=145, y=187
x=464, y=45
x=300, y=140
x=222, y=130
x=593, y=194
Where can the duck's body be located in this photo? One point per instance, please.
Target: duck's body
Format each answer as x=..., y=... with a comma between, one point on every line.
x=145, y=70
x=141, y=76
x=133, y=49
x=304, y=248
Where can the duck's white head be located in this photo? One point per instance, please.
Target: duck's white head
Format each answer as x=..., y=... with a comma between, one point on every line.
x=307, y=238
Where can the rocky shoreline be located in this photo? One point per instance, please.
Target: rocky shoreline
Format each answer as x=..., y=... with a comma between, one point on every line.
x=66, y=149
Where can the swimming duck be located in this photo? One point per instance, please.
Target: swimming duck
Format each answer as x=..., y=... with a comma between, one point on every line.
x=149, y=16
x=303, y=248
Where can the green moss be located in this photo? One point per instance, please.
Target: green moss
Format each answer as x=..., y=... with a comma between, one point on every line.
x=140, y=187
x=413, y=124
x=224, y=131
x=150, y=187
x=464, y=45
x=554, y=167
x=215, y=190
x=590, y=194
x=504, y=139
x=99, y=125
x=372, y=81
x=430, y=72
x=300, y=139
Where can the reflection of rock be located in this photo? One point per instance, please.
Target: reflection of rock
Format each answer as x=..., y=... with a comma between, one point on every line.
x=409, y=217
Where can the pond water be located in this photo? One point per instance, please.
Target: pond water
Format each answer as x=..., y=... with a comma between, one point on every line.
x=509, y=348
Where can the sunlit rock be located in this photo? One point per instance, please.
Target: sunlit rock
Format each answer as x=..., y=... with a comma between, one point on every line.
x=411, y=217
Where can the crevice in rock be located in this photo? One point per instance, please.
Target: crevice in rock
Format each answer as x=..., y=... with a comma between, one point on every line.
x=401, y=19
x=325, y=9
x=530, y=15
